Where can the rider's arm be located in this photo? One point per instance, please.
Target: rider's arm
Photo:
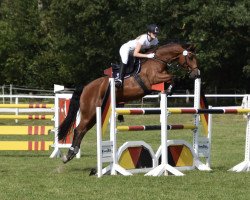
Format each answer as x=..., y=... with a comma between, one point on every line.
x=141, y=55
x=137, y=51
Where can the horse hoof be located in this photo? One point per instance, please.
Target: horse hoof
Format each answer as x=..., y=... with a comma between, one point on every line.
x=64, y=159
x=92, y=172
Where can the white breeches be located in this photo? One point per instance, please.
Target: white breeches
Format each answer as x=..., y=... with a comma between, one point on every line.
x=124, y=53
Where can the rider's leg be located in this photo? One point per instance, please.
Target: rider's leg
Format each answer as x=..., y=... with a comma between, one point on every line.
x=119, y=79
x=124, y=53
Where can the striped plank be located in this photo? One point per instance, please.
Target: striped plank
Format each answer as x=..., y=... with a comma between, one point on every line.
x=36, y=105
x=209, y=111
x=26, y=117
x=155, y=127
x=25, y=130
x=141, y=111
x=25, y=145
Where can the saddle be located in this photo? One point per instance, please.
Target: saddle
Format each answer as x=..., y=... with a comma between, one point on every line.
x=133, y=68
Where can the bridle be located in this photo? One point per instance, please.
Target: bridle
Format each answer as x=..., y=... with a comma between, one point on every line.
x=185, y=53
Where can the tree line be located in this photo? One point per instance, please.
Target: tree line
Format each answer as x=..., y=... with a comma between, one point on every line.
x=71, y=42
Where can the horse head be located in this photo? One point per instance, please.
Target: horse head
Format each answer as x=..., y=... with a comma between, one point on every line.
x=187, y=59
x=183, y=54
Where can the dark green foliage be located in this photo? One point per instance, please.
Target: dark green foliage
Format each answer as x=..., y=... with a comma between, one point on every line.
x=71, y=42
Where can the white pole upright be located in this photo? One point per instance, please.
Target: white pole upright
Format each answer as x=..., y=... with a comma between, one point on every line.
x=210, y=125
x=10, y=93
x=113, y=126
x=245, y=165
x=56, y=152
x=164, y=132
x=99, y=141
x=197, y=95
x=197, y=89
x=114, y=166
x=164, y=167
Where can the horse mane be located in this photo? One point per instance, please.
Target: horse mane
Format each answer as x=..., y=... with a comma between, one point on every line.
x=185, y=45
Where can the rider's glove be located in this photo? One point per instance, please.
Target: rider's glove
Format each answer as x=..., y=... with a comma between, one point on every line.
x=151, y=55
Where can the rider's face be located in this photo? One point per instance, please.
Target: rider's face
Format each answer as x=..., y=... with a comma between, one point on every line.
x=153, y=35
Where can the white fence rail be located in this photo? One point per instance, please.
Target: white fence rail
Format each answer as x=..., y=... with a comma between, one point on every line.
x=190, y=96
x=18, y=98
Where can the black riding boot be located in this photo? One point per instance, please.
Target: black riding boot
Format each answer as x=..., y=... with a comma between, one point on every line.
x=119, y=79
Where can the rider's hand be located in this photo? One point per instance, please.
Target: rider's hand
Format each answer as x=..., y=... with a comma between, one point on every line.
x=151, y=55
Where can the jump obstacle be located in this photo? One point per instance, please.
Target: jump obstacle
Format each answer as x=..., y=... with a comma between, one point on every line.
x=162, y=127
x=201, y=145
x=25, y=130
x=60, y=108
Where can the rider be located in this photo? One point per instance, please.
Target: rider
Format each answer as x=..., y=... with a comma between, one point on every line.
x=133, y=47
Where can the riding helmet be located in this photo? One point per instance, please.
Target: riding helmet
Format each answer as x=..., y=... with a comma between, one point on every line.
x=153, y=28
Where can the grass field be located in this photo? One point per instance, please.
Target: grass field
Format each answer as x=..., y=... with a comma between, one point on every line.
x=33, y=175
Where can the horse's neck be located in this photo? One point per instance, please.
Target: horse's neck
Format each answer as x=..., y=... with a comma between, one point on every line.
x=169, y=53
x=155, y=71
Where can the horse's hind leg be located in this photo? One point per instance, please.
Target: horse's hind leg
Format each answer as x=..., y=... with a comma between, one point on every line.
x=91, y=97
x=75, y=146
x=79, y=133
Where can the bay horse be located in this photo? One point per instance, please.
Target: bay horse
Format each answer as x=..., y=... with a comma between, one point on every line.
x=153, y=71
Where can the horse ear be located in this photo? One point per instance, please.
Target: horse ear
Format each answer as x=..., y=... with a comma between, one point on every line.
x=191, y=48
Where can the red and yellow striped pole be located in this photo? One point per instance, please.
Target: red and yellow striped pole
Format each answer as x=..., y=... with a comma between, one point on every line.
x=44, y=117
x=35, y=105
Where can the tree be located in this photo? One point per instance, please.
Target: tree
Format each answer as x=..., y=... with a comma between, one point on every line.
x=221, y=31
x=22, y=44
x=71, y=42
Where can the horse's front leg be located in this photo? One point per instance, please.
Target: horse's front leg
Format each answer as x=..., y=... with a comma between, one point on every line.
x=163, y=77
x=167, y=78
x=169, y=91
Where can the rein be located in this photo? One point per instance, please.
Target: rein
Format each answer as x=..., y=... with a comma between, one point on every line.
x=168, y=64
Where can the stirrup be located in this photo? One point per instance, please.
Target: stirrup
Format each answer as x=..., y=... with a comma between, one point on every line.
x=118, y=83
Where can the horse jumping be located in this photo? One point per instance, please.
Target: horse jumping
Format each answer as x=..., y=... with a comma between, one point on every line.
x=153, y=71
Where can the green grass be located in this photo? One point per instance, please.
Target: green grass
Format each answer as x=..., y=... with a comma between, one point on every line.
x=33, y=175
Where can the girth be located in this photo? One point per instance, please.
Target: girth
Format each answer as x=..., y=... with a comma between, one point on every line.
x=142, y=84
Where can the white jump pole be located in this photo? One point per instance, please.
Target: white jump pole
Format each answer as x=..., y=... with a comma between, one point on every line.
x=115, y=167
x=197, y=94
x=245, y=165
x=99, y=141
x=56, y=152
x=164, y=167
x=210, y=125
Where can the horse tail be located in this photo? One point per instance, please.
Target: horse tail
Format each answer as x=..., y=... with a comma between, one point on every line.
x=68, y=122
